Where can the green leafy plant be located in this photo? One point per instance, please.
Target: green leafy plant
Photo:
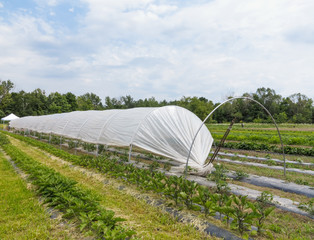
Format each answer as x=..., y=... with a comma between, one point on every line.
x=243, y=217
x=71, y=144
x=187, y=191
x=308, y=206
x=220, y=178
x=153, y=166
x=167, y=166
x=267, y=156
x=204, y=199
x=226, y=209
x=270, y=162
x=239, y=175
x=172, y=188
x=301, y=181
x=263, y=209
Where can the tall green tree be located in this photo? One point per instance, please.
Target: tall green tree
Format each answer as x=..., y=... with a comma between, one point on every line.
x=89, y=101
x=57, y=103
x=5, y=96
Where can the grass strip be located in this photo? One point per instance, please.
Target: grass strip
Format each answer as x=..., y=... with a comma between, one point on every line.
x=63, y=194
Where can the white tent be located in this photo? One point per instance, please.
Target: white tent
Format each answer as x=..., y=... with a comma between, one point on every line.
x=9, y=117
x=167, y=131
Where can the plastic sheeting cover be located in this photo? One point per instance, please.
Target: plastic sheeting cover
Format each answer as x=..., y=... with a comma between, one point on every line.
x=167, y=131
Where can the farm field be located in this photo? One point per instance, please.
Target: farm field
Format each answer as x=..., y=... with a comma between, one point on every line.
x=117, y=186
x=297, y=138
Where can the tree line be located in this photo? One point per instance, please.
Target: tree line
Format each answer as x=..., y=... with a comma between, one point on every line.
x=296, y=108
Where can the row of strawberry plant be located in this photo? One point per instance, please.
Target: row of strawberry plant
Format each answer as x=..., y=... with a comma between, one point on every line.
x=178, y=189
x=63, y=194
x=269, y=148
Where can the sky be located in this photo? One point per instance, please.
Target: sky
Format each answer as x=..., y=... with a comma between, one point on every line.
x=165, y=49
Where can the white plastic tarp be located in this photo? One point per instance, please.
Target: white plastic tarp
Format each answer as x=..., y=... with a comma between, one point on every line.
x=167, y=131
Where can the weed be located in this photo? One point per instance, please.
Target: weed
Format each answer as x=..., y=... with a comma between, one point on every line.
x=239, y=175
x=308, y=206
x=270, y=162
x=301, y=181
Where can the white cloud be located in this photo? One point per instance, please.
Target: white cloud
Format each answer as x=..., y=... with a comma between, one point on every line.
x=1, y=5
x=153, y=48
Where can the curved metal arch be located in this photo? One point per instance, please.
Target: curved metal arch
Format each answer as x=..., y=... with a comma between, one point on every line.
x=229, y=100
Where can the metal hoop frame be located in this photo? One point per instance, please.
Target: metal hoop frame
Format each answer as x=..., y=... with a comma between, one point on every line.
x=229, y=100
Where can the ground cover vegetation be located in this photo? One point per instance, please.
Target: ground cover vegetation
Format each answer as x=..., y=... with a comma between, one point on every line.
x=189, y=194
x=296, y=108
x=21, y=215
x=62, y=193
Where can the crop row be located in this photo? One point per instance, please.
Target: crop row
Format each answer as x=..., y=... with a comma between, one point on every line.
x=62, y=193
x=269, y=148
x=268, y=138
x=263, y=131
x=178, y=189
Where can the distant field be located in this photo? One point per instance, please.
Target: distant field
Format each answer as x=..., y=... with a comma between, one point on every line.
x=301, y=135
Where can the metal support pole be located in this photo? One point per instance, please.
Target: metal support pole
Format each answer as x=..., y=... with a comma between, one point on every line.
x=231, y=99
x=130, y=151
x=75, y=151
x=222, y=141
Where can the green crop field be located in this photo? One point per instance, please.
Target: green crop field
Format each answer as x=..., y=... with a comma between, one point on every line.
x=108, y=197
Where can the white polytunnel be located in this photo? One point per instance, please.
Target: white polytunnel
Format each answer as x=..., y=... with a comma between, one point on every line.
x=167, y=131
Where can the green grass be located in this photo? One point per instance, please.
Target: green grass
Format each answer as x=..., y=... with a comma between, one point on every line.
x=21, y=215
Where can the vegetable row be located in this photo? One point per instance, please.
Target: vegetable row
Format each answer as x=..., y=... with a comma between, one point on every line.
x=268, y=138
x=269, y=148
